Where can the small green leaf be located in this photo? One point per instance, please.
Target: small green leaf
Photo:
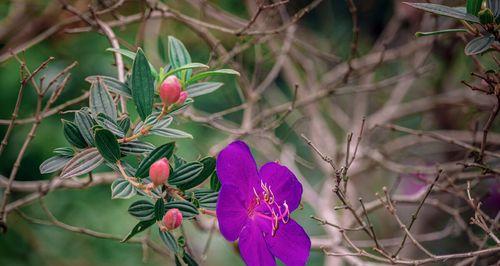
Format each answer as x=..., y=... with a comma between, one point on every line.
x=479, y=45
x=142, y=85
x=136, y=147
x=208, y=169
x=124, y=124
x=185, y=173
x=207, y=74
x=486, y=16
x=107, y=145
x=100, y=101
x=473, y=6
x=64, y=151
x=73, y=135
x=165, y=150
x=214, y=182
x=159, y=209
x=189, y=260
x=82, y=163
x=169, y=241
x=85, y=123
x=108, y=123
x=209, y=201
x=111, y=84
x=187, y=208
x=202, y=88
x=178, y=56
x=54, y=164
x=142, y=210
x=170, y=133
x=122, y=189
x=430, y=33
x=141, y=226
x=445, y=11
x=185, y=67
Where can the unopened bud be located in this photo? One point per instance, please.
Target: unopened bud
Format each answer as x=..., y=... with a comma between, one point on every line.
x=170, y=90
x=182, y=97
x=159, y=171
x=172, y=219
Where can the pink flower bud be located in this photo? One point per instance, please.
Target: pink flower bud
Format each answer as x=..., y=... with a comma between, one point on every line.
x=170, y=90
x=172, y=219
x=182, y=98
x=159, y=171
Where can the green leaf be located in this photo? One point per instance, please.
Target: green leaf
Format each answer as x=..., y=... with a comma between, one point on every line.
x=122, y=189
x=185, y=67
x=82, y=163
x=107, y=145
x=159, y=209
x=165, y=150
x=141, y=226
x=479, y=45
x=111, y=84
x=85, y=123
x=136, y=147
x=100, y=101
x=207, y=74
x=161, y=50
x=208, y=169
x=73, y=135
x=142, y=210
x=124, y=124
x=202, y=88
x=430, y=33
x=473, y=6
x=486, y=16
x=445, y=11
x=132, y=56
x=178, y=56
x=189, y=260
x=187, y=208
x=142, y=85
x=169, y=241
x=209, y=201
x=54, y=164
x=64, y=151
x=108, y=123
x=185, y=173
x=214, y=182
x=170, y=133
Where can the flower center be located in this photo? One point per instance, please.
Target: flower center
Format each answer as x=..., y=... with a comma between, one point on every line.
x=272, y=211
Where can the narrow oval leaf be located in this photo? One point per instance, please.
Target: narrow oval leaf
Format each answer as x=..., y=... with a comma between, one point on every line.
x=185, y=67
x=136, y=147
x=100, y=101
x=141, y=226
x=214, y=182
x=111, y=84
x=159, y=209
x=73, y=134
x=207, y=74
x=178, y=56
x=473, y=6
x=445, y=11
x=54, y=164
x=209, y=201
x=85, y=123
x=169, y=240
x=142, y=85
x=142, y=210
x=107, y=145
x=171, y=133
x=202, y=88
x=479, y=45
x=122, y=189
x=124, y=124
x=108, y=123
x=187, y=208
x=83, y=162
x=165, y=150
x=64, y=151
x=208, y=169
x=185, y=173
x=164, y=123
x=188, y=259
x=132, y=55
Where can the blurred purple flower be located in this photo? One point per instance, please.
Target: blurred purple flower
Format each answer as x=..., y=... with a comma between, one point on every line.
x=255, y=207
x=491, y=202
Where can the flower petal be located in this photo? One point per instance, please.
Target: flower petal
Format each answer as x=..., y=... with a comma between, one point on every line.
x=283, y=184
x=253, y=248
x=290, y=244
x=231, y=211
x=236, y=166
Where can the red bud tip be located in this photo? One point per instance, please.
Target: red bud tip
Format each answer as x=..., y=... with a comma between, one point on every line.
x=159, y=171
x=172, y=219
x=182, y=97
x=170, y=90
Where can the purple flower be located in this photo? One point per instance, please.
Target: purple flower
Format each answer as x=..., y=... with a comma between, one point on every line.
x=255, y=206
